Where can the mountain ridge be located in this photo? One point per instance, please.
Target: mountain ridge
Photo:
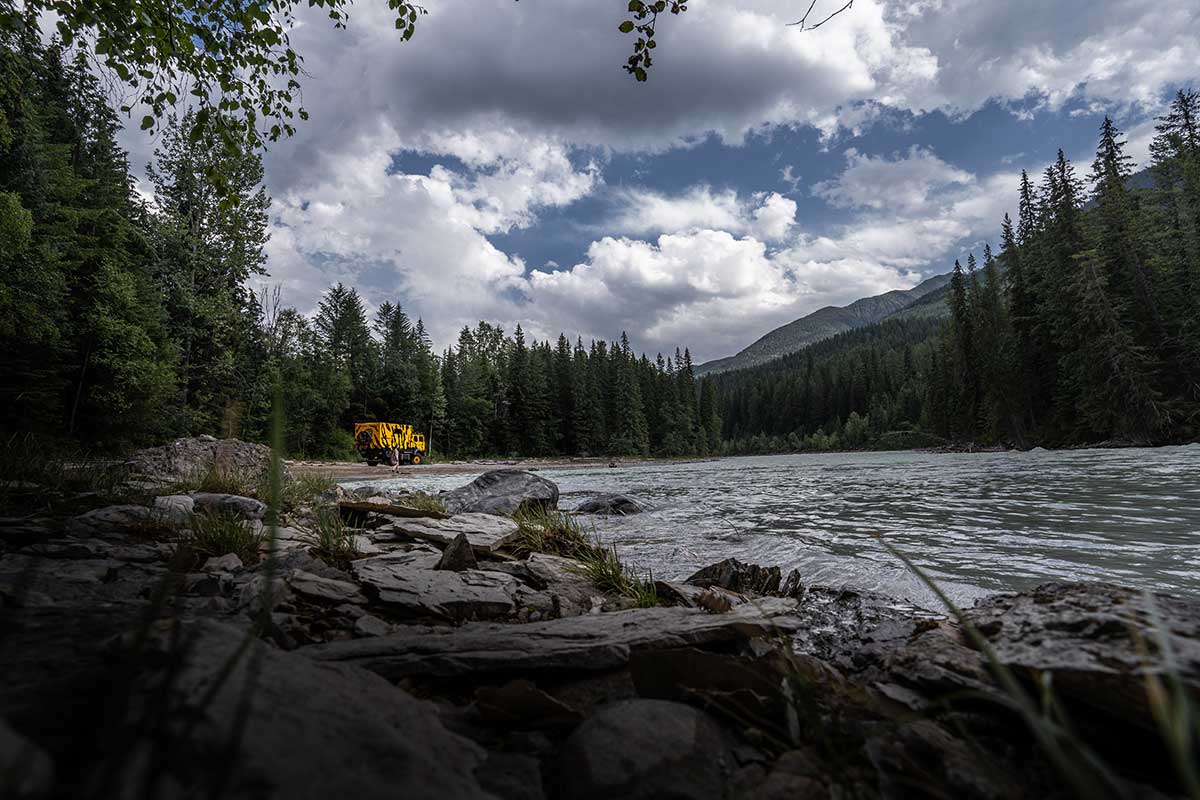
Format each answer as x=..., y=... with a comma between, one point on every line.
x=826, y=322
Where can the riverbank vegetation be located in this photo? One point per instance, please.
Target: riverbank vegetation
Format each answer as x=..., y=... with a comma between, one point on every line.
x=1084, y=328
x=128, y=320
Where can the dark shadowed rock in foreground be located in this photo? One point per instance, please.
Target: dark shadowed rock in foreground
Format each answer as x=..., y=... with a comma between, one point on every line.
x=311, y=730
x=502, y=491
x=735, y=576
x=592, y=642
x=646, y=749
x=610, y=505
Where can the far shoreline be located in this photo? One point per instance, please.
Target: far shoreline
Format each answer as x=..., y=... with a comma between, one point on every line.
x=342, y=471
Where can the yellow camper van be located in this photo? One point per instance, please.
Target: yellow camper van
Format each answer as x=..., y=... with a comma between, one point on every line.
x=375, y=440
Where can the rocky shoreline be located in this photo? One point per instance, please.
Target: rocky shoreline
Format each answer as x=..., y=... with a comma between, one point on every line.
x=444, y=657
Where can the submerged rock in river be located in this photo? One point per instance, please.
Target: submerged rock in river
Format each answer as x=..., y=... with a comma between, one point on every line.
x=502, y=491
x=610, y=505
x=735, y=576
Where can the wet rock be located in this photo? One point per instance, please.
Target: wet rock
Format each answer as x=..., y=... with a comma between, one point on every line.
x=735, y=576
x=1101, y=642
x=245, y=507
x=847, y=627
x=109, y=520
x=368, y=625
x=502, y=491
x=187, y=458
x=610, y=504
x=685, y=594
x=226, y=563
x=646, y=749
x=26, y=772
x=326, y=590
x=592, y=642
x=413, y=585
x=310, y=730
x=458, y=555
x=485, y=532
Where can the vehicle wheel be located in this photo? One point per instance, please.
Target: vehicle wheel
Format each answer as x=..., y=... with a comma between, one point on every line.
x=416, y=460
x=371, y=463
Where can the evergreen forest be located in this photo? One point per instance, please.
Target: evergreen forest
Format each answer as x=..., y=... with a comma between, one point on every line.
x=127, y=321
x=1083, y=329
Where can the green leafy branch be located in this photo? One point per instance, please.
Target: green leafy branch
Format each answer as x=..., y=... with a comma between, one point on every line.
x=643, y=18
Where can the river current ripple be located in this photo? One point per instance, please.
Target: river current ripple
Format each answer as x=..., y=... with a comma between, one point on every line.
x=977, y=523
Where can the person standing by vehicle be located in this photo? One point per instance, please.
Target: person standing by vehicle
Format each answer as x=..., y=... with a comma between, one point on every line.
x=394, y=458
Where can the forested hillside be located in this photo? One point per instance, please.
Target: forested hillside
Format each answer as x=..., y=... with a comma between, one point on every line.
x=125, y=322
x=826, y=322
x=1085, y=327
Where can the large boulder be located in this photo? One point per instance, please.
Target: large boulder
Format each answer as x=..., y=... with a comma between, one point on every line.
x=735, y=576
x=187, y=458
x=1098, y=646
x=646, y=749
x=502, y=491
x=286, y=726
x=620, y=505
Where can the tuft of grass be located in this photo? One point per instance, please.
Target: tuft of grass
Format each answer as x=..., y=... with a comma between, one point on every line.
x=558, y=533
x=212, y=534
x=303, y=489
x=330, y=539
x=423, y=502
x=606, y=572
x=555, y=533
x=219, y=480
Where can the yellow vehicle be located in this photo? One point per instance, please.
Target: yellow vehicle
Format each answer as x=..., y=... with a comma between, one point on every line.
x=375, y=441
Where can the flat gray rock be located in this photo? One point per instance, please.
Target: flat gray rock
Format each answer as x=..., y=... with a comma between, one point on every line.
x=108, y=520
x=593, y=642
x=502, y=491
x=175, y=506
x=410, y=582
x=485, y=532
x=246, y=507
x=328, y=590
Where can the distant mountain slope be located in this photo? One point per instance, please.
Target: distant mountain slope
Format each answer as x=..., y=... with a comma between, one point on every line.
x=832, y=320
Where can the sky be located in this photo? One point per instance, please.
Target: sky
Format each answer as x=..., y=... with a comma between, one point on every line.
x=502, y=166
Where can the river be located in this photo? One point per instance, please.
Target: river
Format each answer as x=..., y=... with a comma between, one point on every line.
x=976, y=523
